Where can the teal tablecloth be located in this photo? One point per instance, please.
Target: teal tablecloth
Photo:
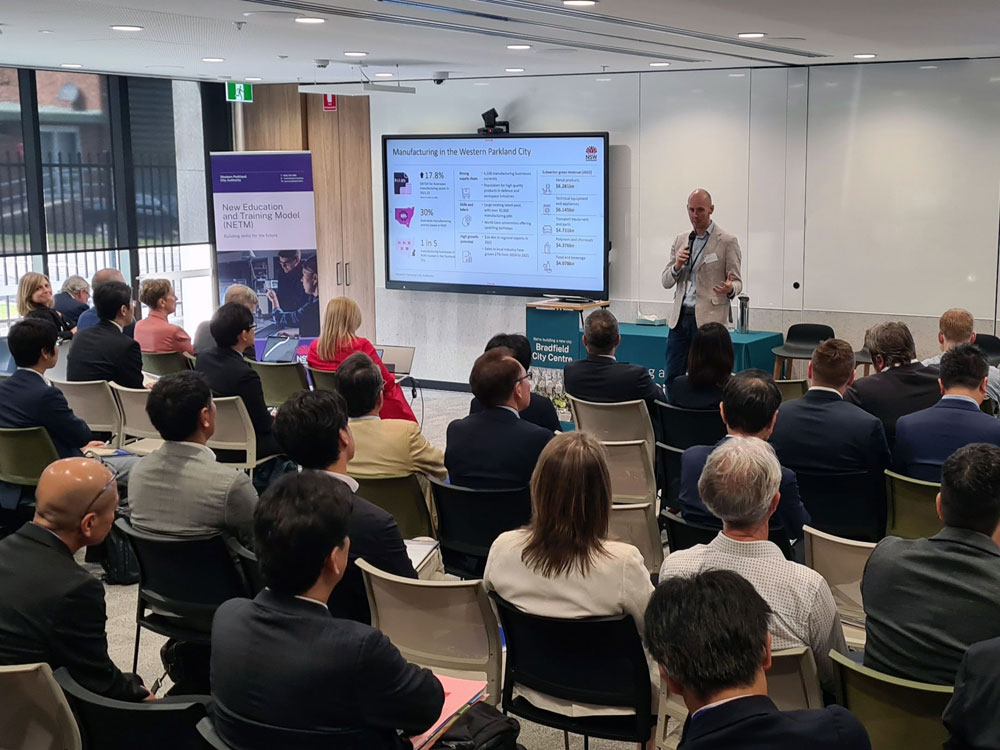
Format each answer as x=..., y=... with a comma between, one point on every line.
x=647, y=346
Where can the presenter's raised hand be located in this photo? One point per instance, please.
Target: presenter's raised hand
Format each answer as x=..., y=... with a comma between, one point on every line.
x=682, y=257
x=725, y=287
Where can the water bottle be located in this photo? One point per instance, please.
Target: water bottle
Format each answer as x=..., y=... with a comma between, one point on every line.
x=743, y=315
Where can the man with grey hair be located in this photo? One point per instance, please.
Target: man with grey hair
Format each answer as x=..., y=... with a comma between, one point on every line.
x=602, y=378
x=740, y=485
x=240, y=293
x=73, y=300
x=901, y=385
x=88, y=318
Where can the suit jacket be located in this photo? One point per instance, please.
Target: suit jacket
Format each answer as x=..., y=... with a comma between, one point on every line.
x=539, y=411
x=52, y=611
x=791, y=514
x=375, y=537
x=682, y=394
x=27, y=400
x=927, y=600
x=925, y=439
x=105, y=353
x=821, y=433
x=203, y=341
x=70, y=308
x=755, y=723
x=493, y=449
x=334, y=674
x=604, y=380
x=971, y=715
x=181, y=490
x=64, y=328
x=393, y=447
x=88, y=319
x=896, y=392
x=229, y=375
x=709, y=306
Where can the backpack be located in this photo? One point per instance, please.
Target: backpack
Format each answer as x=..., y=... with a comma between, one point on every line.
x=118, y=559
x=481, y=727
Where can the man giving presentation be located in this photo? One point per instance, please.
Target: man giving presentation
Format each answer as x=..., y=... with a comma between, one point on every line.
x=710, y=256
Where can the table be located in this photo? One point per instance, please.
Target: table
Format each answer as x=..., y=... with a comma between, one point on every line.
x=647, y=346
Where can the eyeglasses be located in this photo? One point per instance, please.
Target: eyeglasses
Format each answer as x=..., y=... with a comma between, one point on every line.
x=523, y=377
x=114, y=476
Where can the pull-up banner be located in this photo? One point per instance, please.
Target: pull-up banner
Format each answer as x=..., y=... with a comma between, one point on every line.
x=265, y=237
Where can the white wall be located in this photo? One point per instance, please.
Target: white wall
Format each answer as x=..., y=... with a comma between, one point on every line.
x=856, y=191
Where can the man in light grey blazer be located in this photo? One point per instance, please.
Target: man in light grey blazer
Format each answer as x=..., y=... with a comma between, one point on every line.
x=711, y=257
x=180, y=489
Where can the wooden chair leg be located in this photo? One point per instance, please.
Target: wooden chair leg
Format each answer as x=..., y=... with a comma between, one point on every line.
x=868, y=369
x=778, y=365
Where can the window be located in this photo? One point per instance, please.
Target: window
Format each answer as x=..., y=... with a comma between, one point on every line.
x=13, y=190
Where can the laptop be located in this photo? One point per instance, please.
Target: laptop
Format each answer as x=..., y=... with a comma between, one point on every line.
x=280, y=349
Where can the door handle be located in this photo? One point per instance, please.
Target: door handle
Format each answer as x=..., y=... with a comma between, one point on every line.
x=338, y=274
x=347, y=274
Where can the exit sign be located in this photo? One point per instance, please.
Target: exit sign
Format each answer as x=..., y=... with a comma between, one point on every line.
x=239, y=92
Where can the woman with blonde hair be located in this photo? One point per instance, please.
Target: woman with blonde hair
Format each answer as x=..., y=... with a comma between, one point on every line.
x=564, y=562
x=337, y=341
x=154, y=332
x=34, y=300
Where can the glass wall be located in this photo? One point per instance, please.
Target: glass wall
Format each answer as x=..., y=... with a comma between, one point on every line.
x=13, y=191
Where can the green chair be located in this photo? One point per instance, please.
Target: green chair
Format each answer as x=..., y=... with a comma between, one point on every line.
x=165, y=363
x=323, y=380
x=911, y=511
x=792, y=389
x=280, y=380
x=24, y=454
x=896, y=713
x=403, y=498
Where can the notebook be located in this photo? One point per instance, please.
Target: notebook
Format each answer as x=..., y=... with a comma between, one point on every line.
x=458, y=696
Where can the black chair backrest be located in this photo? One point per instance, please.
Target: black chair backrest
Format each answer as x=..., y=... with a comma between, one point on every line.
x=107, y=724
x=248, y=565
x=808, y=334
x=190, y=576
x=596, y=660
x=668, y=473
x=990, y=347
x=847, y=505
x=683, y=534
x=469, y=521
x=682, y=428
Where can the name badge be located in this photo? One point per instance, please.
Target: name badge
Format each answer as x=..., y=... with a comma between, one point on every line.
x=711, y=258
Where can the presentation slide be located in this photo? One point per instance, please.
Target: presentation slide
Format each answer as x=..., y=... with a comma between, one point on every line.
x=508, y=215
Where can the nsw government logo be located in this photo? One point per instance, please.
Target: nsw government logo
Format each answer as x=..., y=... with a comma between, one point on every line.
x=591, y=153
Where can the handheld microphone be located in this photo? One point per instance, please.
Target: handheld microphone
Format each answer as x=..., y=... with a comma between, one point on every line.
x=691, y=238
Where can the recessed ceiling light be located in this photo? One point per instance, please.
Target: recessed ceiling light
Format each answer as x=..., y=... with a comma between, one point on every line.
x=737, y=75
x=514, y=70
x=309, y=19
x=125, y=27
x=928, y=67
x=46, y=31
x=579, y=3
x=355, y=54
x=71, y=65
x=994, y=79
x=752, y=35
x=213, y=59
x=518, y=46
x=602, y=80
x=383, y=75
x=253, y=79
x=865, y=56
x=660, y=64
x=480, y=83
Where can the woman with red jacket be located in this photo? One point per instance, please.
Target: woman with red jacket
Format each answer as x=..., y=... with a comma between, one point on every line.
x=337, y=341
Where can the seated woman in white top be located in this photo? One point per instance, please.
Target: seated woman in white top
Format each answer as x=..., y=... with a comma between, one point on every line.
x=563, y=564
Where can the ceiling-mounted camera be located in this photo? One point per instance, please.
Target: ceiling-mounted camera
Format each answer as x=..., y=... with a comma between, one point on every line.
x=320, y=63
x=439, y=76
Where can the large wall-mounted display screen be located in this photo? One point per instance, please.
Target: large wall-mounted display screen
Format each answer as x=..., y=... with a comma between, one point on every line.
x=511, y=214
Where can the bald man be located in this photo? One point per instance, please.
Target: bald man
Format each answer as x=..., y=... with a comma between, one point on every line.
x=51, y=609
x=88, y=318
x=711, y=257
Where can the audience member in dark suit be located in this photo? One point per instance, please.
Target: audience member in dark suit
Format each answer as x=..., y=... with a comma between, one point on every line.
x=602, y=378
x=899, y=386
x=925, y=439
x=51, y=609
x=335, y=675
x=821, y=433
x=229, y=374
x=312, y=428
x=73, y=300
x=26, y=397
x=539, y=410
x=247, y=297
x=104, y=352
x=749, y=408
x=89, y=318
x=928, y=600
x=709, y=635
x=495, y=448
x=971, y=715
x=710, y=365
